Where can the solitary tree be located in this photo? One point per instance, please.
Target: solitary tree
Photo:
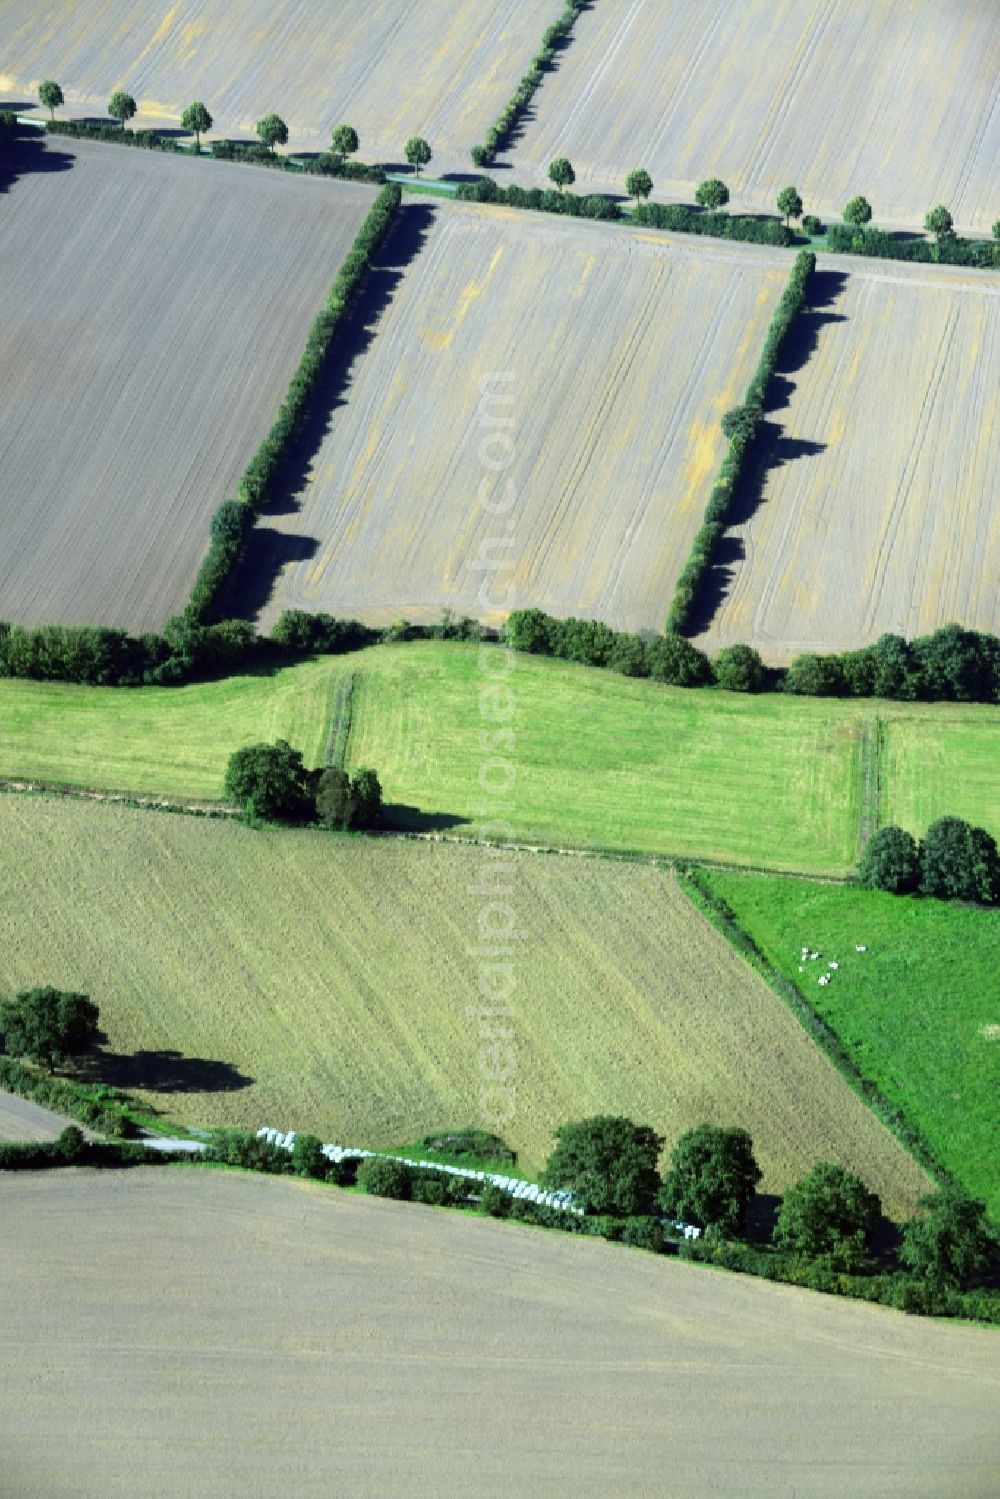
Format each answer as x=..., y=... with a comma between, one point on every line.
x=829, y=1215
x=48, y=1025
x=269, y=781
x=608, y=1163
x=858, y=212
x=712, y=1178
x=959, y=862
x=890, y=862
x=197, y=121
x=940, y=222
x=639, y=184
x=345, y=140
x=789, y=203
x=272, y=131
x=418, y=152
x=712, y=194
x=950, y=1241
x=121, y=107
x=51, y=96
x=561, y=173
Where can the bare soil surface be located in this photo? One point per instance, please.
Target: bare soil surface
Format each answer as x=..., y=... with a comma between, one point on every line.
x=180, y=1331
x=153, y=311
x=895, y=100
x=535, y=423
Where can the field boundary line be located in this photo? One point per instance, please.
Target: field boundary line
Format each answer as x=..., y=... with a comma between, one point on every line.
x=725, y=920
x=341, y=717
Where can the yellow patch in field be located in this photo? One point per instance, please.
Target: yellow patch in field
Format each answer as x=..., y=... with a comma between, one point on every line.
x=439, y=340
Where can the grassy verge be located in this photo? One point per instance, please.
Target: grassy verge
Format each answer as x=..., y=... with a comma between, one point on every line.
x=916, y=1013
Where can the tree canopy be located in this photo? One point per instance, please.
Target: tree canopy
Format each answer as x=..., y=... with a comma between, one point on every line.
x=891, y=861
x=345, y=140
x=712, y=1178
x=959, y=862
x=121, y=106
x=272, y=131
x=50, y=95
x=269, y=781
x=608, y=1163
x=858, y=211
x=789, y=203
x=48, y=1025
x=949, y=1241
x=739, y=668
x=829, y=1215
x=418, y=152
x=939, y=221
x=639, y=184
x=712, y=194
x=197, y=120
x=561, y=172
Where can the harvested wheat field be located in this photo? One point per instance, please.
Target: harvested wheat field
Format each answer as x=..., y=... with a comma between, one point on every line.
x=878, y=504
x=175, y=1330
x=22, y=1120
x=331, y=984
x=154, y=310
x=392, y=68
x=892, y=99
x=543, y=397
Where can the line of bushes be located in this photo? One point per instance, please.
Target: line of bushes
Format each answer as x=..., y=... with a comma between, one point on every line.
x=541, y=200
x=499, y=134
x=71, y=1149
x=947, y=249
x=678, y=218
x=740, y=426
x=328, y=164
x=102, y=1108
x=234, y=520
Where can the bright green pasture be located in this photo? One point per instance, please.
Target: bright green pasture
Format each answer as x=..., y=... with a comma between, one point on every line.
x=568, y=756
x=919, y=1010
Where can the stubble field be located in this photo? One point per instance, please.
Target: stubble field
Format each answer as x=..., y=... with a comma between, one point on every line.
x=308, y=981
x=877, y=510
x=154, y=310
x=600, y=761
x=541, y=396
x=178, y=1328
x=391, y=68
x=894, y=100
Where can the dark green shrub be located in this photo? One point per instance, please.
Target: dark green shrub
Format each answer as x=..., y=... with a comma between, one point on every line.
x=891, y=861
x=308, y=1158
x=468, y=1144
x=674, y=660
x=811, y=224
x=608, y=1163
x=739, y=668
x=381, y=1177
x=494, y=1201
x=644, y=1233
x=815, y=676
x=71, y=1144
x=829, y=1216
x=959, y=862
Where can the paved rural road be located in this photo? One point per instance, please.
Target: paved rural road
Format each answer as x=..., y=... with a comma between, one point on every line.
x=21, y=1120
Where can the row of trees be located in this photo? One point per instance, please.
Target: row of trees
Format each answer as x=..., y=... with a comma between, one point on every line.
x=271, y=129
x=953, y=861
x=829, y=1217
x=271, y=783
x=500, y=132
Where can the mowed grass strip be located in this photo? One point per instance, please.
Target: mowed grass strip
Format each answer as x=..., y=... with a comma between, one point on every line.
x=597, y=760
x=919, y=1010
x=332, y=984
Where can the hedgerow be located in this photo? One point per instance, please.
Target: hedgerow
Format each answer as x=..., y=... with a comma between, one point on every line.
x=679, y=219
x=499, y=134
x=980, y=254
x=740, y=427
x=539, y=199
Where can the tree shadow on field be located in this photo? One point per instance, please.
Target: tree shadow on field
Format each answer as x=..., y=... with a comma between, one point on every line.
x=772, y=448
x=397, y=817
x=256, y=575
x=530, y=113
x=29, y=153
x=161, y=1072
x=267, y=554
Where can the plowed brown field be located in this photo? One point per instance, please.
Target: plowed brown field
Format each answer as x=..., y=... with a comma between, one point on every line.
x=392, y=68
x=180, y=1331
x=153, y=310
x=570, y=376
x=896, y=100
x=887, y=519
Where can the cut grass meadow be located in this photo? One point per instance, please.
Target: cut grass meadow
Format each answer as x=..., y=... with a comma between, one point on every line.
x=308, y=980
x=599, y=761
x=919, y=1010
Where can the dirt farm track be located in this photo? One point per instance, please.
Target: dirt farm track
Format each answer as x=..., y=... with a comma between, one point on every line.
x=125, y=420
x=182, y=1331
